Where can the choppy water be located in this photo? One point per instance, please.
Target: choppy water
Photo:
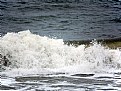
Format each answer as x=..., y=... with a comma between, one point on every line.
x=41, y=63
x=68, y=21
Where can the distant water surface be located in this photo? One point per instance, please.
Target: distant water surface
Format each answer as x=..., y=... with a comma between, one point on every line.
x=69, y=21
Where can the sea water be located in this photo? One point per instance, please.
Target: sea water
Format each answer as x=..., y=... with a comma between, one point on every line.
x=84, y=20
x=41, y=63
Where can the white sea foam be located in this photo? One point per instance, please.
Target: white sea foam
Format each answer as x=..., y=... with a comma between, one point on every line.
x=37, y=54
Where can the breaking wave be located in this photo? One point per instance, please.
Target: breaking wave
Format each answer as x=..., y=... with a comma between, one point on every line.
x=35, y=53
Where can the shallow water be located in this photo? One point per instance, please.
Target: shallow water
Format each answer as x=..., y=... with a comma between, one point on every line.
x=101, y=82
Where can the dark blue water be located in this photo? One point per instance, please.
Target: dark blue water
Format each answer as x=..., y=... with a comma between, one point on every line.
x=69, y=21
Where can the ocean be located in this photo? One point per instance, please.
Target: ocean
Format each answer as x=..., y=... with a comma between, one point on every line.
x=45, y=45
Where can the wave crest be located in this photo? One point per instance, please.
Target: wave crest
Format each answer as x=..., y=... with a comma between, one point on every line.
x=27, y=50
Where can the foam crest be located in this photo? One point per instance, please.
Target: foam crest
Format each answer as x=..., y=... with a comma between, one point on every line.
x=27, y=51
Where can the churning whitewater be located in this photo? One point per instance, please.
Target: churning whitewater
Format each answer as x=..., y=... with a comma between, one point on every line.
x=27, y=51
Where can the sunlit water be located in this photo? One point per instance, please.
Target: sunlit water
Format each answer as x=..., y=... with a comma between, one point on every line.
x=41, y=61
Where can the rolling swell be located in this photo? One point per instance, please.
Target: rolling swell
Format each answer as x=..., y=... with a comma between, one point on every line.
x=103, y=41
